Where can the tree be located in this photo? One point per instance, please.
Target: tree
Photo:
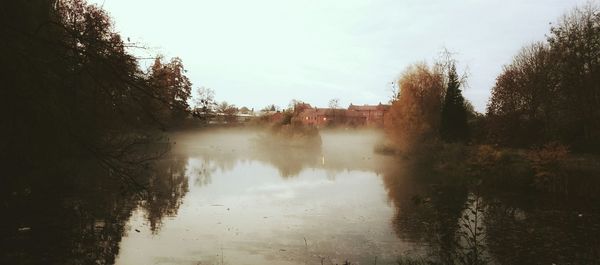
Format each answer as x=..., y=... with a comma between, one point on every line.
x=169, y=82
x=551, y=90
x=227, y=110
x=73, y=91
x=204, y=103
x=271, y=107
x=245, y=110
x=522, y=104
x=205, y=99
x=334, y=103
x=415, y=114
x=575, y=44
x=453, y=126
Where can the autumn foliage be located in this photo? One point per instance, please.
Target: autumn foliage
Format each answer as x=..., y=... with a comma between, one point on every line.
x=415, y=114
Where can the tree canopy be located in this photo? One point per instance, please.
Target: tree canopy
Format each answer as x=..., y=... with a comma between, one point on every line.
x=415, y=114
x=551, y=90
x=71, y=88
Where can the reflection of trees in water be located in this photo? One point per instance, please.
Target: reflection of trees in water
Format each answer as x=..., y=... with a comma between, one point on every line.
x=289, y=161
x=54, y=219
x=167, y=184
x=339, y=151
x=464, y=224
x=79, y=217
x=214, y=158
x=202, y=175
x=426, y=212
x=538, y=230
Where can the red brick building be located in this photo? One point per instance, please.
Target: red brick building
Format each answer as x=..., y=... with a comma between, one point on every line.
x=318, y=117
x=365, y=115
x=372, y=115
x=276, y=117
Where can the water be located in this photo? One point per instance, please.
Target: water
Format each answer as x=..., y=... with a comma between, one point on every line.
x=219, y=198
x=248, y=205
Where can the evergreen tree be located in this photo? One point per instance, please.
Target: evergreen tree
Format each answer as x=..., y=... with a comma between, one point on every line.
x=454, y=127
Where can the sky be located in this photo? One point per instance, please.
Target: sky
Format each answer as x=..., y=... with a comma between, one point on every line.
x=256, y=53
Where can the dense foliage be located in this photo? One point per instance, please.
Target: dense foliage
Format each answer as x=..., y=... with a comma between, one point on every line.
x=415, y=114
x=551, y=90
x=454, y=127
x=79, y=120
x=72, y=89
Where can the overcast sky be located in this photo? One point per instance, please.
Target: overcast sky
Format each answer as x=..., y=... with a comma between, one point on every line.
x=255, y=53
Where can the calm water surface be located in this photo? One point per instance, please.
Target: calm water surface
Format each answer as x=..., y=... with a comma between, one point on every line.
x=248, y=205
x=221, y=198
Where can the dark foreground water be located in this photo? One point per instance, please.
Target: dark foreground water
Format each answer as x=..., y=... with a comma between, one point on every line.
x=219, y=198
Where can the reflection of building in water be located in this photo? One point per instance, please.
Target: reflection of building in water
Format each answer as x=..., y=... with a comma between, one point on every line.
x=355, y=115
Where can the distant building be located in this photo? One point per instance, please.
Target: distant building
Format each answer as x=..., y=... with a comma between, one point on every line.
x=365, y=115
x=373, y=115
x=276, y=117
x=245, y=117
x=301, y=106
x=318, y=117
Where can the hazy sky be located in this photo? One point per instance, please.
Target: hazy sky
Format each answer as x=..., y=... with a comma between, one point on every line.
x=255, y=53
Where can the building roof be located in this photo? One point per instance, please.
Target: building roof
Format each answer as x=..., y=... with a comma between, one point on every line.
x=317, y=111
x=368, y=107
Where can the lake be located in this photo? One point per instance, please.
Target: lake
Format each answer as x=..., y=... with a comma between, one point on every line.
x=220, y=197
x=248, y=205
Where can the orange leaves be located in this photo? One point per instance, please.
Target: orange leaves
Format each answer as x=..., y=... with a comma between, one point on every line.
x=415, y=113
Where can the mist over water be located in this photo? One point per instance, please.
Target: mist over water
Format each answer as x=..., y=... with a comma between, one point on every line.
x=227, y=196
x=254, y=203
x=250, y=204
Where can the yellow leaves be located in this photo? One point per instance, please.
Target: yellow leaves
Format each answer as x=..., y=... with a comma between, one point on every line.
x=414, y=116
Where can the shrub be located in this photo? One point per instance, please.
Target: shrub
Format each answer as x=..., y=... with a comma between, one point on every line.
x=548, y=163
